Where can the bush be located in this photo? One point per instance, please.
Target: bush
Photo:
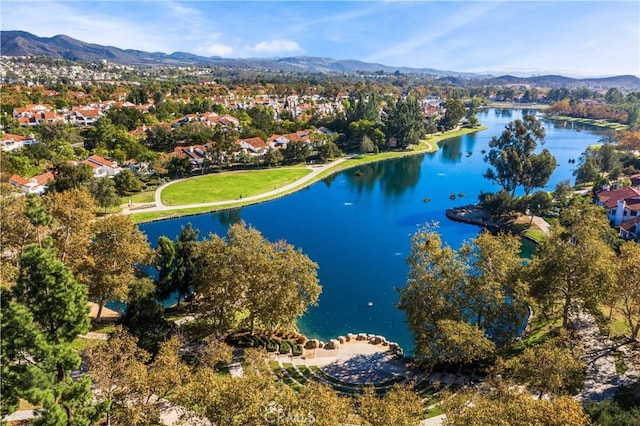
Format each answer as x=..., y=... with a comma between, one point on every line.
x=272, y=345
x=297, y=349
x=285, y=348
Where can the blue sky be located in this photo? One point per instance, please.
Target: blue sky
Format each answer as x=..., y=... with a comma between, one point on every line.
x=592, y=38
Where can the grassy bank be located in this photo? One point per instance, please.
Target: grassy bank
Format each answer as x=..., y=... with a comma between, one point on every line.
x=229, y=186
x=515, y=105
x=430, y=144
x=598, y=123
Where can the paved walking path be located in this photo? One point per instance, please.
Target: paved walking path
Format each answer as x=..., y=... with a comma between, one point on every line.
x=159, y=206
x=602, y=380
x=235, y=368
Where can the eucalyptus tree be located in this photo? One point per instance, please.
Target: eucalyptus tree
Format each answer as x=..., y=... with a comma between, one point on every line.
x=513, y=160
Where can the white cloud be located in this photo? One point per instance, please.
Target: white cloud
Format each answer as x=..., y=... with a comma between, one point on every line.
x=214, y=49
x=276, y=46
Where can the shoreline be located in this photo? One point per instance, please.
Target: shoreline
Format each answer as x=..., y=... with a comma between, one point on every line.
x=426, y=146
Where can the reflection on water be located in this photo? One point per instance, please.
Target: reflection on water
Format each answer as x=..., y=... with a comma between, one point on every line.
x=393, y=177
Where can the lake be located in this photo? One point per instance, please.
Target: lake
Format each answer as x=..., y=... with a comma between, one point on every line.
x=357, y=224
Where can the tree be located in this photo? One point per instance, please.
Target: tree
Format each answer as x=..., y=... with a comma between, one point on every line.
x=184, y=266
x=366, y=145
x=113, y=367
x=296, y=151
x=462, y=343
x=475, y=292
x=627, y=286
x=104, y=192
x=405, y=122
x=144, y=317
x=540, y=167
x=46, y=312
x=399, y=406
x=118, y=249
x=273, y=157
x=273, y=282
x=513, y=160
x=178, y=167
x=126, y=181
x=69, y=176
x=553, y=367
x=328, y=151
x=497, y=403
x=17, y=231
x=454, y=112
x=572, y=266
x=159, y=139
x=136, y=389
x=71, y=212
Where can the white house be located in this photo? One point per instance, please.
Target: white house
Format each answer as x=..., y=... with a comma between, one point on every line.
x=9, y=142
x=34, y=185
x=102, y=167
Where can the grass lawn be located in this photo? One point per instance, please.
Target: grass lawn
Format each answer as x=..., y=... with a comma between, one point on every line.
x=140, y=197
x=540, y=330
x=230, y=186
x=617, y=327
x=598, y=123
x=535, y=234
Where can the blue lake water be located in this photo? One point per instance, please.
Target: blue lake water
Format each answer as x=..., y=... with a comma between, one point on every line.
x=357, y=224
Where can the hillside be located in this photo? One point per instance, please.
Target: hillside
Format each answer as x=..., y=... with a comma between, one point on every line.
x=21, y=43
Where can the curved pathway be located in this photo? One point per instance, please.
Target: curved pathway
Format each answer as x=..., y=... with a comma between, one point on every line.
x=159, y=206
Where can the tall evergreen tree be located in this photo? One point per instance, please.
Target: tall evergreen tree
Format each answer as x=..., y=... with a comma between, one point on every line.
x=45, y=312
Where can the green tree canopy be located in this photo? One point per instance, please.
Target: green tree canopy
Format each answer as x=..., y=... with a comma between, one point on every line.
x=41, y=317
x=513, y=159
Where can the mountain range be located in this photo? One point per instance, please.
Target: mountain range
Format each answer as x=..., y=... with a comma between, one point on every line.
x=21, y=43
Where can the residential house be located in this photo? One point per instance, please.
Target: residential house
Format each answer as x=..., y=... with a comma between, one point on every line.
x=623, y=206
x=281, y=141
x=10, y=142
x=253, y=146
x=630, y=229
x=84, y=116
x=195, y=154
x=102, y=167
x=34, y=185
x=35, y=114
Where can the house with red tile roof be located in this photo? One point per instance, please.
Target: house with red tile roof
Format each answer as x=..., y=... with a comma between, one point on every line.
x=102, y=167
x=630, y=229
x=84, y=116
x=35, y=114
x=34, y=185
x=253, y=146
x=195, y=154
x=623, y=208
